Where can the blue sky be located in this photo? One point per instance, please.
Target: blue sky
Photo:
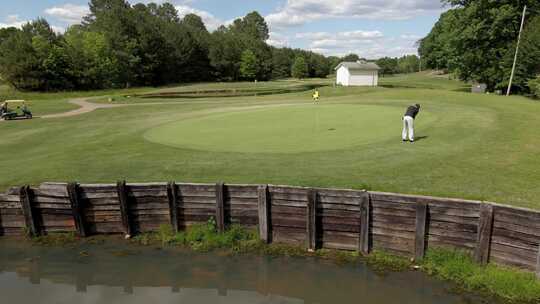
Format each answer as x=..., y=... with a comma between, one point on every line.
x=370, y=28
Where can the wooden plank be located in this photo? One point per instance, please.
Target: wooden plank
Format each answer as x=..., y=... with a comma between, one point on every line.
x=122, y=190
x=220, y=209
x=25, y=196
x=538, y=263
x=172, y=196
x=365, y=217
x=77, y=208
x=311, y=221
x=420, y=236
x=485, y=227
x=264, y=213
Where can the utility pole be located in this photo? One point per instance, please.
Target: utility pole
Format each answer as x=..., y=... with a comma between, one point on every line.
x=517, y=50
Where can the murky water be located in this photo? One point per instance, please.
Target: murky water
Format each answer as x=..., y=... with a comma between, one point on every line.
x=113, y=272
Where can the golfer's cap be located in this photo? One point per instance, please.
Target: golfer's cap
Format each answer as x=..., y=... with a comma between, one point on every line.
x=417, y=105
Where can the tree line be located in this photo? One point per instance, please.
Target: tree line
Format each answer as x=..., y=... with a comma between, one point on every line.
x=476, y=40
x=123, y=45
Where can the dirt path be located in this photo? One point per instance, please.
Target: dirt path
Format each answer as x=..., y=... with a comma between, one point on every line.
x=85, y=107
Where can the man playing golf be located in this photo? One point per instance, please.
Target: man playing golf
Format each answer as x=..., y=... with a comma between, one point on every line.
x=408, y=122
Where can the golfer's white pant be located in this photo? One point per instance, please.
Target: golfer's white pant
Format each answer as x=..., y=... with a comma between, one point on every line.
x=408, y=125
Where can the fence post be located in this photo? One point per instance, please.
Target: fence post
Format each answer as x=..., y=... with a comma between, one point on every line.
x=77, y=209
x=220, y=209
x=26, y=198
x=538, y=263
x=264, y=212
x=124, y=208
x=420, y=236
x=311, y=220
x=172, y=195
x=485, y=227
x=365, y=210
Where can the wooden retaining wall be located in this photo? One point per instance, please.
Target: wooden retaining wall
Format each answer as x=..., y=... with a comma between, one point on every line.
x=318, y=218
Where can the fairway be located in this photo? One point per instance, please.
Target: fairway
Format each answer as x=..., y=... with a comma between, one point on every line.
x=471, y=146
x=285, y=129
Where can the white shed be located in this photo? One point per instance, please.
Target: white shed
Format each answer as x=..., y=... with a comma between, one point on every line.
x=360, y=73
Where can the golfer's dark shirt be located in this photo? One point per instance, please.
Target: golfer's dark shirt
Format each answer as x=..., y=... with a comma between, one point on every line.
x=412, y=111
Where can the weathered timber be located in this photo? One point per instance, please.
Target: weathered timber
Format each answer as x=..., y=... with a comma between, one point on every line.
x=538, y=263
x=172, y=196
x=311, y=220
x=264, y=213
x=342, y=218
x=420, y=236
x=365, y=217
x=485, y=227
x=220, y=209
x=122, y=190
x=77, y=208
x=30, y=216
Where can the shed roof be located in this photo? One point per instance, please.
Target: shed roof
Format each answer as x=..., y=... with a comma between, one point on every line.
x=359, y=65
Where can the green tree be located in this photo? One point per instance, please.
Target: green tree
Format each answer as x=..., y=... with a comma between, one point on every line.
x=350, y=58
x=300, y=68
x=476, y=40
x=534, y=86
x=282, y=60
x=389, y=66
x=249, y=65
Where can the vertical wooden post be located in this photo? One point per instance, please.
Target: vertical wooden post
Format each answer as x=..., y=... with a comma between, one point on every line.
x=485, y=227
x=26, y=198
x=365, y=209
x=311, y=227
x=264, y=213
x=128, y=289
x=80, y=282
x=220, y=208
x=77, y=209
x=172, y=195
x=538, y=263
x=124, y=208
x=420, y=236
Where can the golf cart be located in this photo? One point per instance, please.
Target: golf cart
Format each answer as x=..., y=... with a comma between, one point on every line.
x=21, y=111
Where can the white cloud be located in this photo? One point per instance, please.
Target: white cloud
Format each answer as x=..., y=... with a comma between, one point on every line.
x=368, y=44
x=298, y=12
x=13, y=21
x=211, y=21
x=69, y=13
x=278, y=40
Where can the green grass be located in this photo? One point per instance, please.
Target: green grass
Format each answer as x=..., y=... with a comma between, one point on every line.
x=472, y=146
x=507, y=283
x=309, y=128
x=424, y=80
x=56, y=102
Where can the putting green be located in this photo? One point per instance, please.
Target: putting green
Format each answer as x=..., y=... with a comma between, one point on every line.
x=285, y=129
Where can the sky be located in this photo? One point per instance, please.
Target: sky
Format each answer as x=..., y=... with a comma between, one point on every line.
x=369, y=28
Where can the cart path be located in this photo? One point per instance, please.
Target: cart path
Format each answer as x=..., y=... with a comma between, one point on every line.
x=84, y=107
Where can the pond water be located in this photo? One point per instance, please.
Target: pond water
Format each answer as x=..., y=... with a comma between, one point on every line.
x=230, y=92
x=113, y=272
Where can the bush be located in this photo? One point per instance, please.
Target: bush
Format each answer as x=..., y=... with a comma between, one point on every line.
x=203, y=237
x=534, y=86
x=459, y=267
